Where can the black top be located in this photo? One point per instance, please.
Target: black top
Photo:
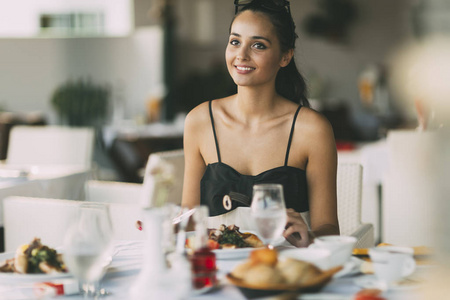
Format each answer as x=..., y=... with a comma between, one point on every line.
x=221, y=183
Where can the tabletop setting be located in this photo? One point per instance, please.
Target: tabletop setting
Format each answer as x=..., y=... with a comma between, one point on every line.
x=183, y=257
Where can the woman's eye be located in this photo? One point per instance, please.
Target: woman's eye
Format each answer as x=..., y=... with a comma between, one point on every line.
x=234, y=42
x=259, y=46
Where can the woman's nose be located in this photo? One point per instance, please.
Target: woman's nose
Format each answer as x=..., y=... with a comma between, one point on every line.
x=242, y=54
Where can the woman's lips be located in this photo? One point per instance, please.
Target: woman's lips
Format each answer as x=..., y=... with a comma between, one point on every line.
x=244, y=69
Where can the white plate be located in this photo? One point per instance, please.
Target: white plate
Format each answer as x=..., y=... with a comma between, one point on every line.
x=372, y=282
x=15, y=277
x=238, y=253
x=351, y=267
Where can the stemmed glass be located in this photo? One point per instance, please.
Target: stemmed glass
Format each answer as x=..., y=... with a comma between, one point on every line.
x=87, y=247
x=268, y=211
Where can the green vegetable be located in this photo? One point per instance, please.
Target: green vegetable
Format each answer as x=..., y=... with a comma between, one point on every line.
x=231, y=237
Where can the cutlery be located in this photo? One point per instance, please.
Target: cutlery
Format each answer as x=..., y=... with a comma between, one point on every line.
x=183, y=216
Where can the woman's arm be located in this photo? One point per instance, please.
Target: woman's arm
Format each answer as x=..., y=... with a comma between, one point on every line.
x=321, y=171
x=194, y=162
x=321, y=175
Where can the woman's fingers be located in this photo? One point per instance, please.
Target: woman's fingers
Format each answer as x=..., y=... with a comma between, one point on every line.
x=296, y=231
x=297, y=236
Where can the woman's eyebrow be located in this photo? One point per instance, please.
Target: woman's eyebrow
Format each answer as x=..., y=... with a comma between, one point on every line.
x=255, y=37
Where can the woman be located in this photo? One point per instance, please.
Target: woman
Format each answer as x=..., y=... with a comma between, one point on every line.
x=262, y=134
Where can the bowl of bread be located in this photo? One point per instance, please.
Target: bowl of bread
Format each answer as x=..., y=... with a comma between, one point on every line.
x=264, y=273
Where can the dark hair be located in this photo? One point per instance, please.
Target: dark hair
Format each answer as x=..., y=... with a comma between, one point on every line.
x=289, y=83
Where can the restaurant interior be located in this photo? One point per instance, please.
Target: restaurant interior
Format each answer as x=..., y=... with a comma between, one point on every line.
x=94, y=94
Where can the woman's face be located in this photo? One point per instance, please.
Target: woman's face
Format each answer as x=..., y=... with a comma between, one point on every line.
x=253, y=54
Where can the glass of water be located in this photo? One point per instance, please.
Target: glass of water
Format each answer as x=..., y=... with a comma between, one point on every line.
x=87, y=247
x=268, y=211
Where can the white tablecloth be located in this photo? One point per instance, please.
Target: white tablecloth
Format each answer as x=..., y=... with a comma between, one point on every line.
x=128, y=260
x=60, y=182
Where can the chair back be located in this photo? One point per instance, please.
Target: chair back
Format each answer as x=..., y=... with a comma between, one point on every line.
x=49, y=219
x=176, y=159
x=50, y=145
x=349, y=188
x=113, y=191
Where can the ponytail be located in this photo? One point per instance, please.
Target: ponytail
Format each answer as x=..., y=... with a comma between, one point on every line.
x=290, y=84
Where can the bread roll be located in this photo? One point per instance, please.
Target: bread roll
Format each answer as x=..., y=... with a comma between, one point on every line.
x=264, y=256
x=240, y=271
x=297, y=271
x=262, y=275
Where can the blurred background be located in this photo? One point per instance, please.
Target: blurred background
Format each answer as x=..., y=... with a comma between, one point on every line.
x=134, y=68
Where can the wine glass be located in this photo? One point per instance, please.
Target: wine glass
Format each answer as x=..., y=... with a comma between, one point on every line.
x=268, y=211
x=87, y=247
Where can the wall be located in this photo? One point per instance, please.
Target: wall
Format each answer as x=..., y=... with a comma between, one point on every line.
x=32, y=68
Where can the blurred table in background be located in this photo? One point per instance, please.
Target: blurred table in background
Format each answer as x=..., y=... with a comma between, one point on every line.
x=53, y=181
x=130, y=145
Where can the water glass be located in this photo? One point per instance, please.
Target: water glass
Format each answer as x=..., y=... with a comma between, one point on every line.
x=87, y=246
x=268, y=211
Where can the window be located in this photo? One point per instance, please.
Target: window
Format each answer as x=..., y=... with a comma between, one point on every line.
x=56, y=18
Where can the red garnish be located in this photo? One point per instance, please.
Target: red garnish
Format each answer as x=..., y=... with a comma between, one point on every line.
x=369, y=294
x=213, y=245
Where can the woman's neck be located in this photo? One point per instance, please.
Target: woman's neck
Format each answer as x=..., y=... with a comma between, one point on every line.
x=255, y=104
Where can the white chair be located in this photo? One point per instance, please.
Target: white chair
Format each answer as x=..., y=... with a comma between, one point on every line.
x=349, y=191
x=49, y=219
x=50, y=145
x=113, y=191
x=176, y=159
x=124, y=192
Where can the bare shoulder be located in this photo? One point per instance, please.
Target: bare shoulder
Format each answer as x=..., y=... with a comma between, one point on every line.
x=313, y=123
x=198, y=115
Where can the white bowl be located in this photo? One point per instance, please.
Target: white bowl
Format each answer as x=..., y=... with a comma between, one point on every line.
x=318, y=257
x=340, y=247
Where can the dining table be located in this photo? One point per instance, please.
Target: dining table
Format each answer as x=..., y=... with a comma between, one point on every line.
x=128, y=261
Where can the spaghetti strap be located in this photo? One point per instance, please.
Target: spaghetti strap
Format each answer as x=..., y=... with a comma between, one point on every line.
x=290, y=136
x=214, y=130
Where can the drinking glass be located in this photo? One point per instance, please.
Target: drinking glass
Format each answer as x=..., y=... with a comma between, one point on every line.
x=268, y=211
x=87, y=247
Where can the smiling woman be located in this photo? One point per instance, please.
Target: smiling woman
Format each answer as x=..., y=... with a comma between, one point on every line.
x=266, y=133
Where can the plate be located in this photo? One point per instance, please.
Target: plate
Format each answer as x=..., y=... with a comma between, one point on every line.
x=240, y=253
x=15, y=277
x=351, y=267
x=257, y=291
x=237, y=253
x=372, y=282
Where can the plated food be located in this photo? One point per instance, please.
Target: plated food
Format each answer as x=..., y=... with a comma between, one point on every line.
x=264, y=271
x=34, y=258
x=229, y=237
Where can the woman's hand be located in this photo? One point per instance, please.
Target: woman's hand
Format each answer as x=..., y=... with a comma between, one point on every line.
x=296, y=231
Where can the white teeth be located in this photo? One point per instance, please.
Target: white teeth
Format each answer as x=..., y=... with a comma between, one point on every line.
x=245, y=68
